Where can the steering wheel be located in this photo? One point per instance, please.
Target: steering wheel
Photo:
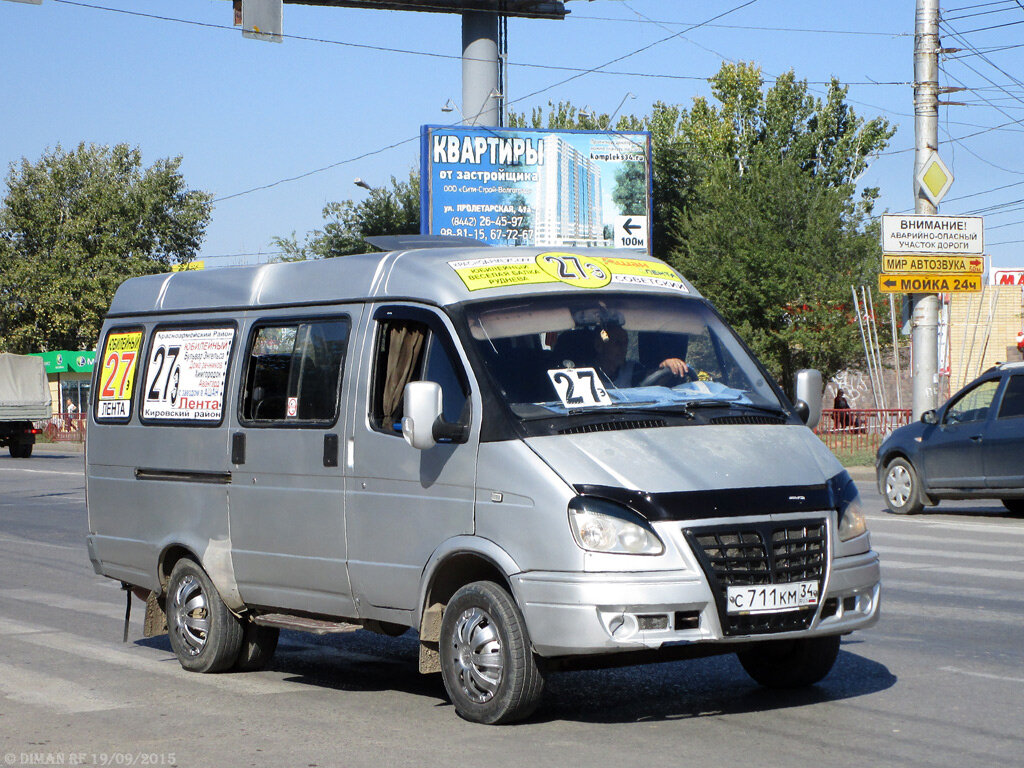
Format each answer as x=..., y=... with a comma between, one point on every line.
x=660, y=377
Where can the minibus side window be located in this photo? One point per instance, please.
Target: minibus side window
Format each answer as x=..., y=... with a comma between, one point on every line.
x=408, y=350
x=293, y=373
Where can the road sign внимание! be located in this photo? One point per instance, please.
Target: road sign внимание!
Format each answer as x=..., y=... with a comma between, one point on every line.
x=933, y=235
x=929, y=283
x=934, y=265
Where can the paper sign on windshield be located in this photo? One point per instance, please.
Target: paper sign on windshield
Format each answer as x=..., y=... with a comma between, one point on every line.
x=579, y=387
x=186, y=373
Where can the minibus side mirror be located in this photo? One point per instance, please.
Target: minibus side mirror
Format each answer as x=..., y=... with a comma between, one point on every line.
x=808, y=396
x=422, y=405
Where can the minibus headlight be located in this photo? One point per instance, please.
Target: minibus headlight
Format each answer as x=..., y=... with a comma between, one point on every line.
x=851, y=516
x=599, y=525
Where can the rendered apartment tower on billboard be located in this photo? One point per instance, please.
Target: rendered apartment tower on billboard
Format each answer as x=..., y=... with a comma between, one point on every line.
x=568, y=208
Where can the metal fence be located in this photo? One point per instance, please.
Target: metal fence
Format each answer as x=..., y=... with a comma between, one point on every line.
x=857, y=429
x=65, y=428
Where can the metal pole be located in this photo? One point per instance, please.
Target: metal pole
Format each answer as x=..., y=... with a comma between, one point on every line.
x=925, y=306
x=896, y=351
x=481, y=95
x=863, y=340
x=875, y=361
x=870, y=301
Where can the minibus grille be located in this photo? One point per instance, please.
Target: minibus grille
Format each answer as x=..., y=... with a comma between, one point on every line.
x=613, y=426
x=762, y=553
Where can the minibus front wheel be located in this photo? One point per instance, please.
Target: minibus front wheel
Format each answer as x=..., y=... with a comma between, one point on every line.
x=205, y=635
x=487, y=663
x=790, y=663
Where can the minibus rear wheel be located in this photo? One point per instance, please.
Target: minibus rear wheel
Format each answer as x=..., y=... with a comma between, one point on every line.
x=487, y=664
x=790, y=663
x=205, y=635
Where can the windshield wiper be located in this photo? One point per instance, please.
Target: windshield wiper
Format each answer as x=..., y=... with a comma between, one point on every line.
x=693, y=404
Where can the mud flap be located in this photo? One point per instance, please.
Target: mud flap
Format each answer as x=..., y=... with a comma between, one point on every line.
x=156, y=620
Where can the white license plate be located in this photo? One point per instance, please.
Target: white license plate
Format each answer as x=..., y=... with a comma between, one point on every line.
x=772, y=598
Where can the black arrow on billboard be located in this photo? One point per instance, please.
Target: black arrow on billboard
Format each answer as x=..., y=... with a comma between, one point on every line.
x=629, y=226
x=889, y=283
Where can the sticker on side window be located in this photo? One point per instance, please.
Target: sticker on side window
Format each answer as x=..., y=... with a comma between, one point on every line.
x=579, y=387
x=185, y=374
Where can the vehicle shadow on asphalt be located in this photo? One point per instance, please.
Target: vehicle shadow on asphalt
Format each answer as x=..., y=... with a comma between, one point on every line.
x=709, y=687
x=992, y=510
x=706, y=687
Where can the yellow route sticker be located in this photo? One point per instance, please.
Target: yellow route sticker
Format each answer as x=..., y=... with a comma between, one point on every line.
x=117, y=377
x=577, y=270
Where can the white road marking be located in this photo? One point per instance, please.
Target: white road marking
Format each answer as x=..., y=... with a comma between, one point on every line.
x=954, y=570
x=69, y=603
x=53, y=693
x=953, y=525
x=904, y=538
x=22, y=542
x=44, y=471
x=152, y=662
x=984, y=675
x=958, y=554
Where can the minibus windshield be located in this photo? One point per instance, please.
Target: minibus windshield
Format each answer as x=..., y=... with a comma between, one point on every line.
x=556, y=355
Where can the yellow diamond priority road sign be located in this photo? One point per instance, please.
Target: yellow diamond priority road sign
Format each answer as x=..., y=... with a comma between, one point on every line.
x=930, y=283
x=935, y=178
x=937, y=265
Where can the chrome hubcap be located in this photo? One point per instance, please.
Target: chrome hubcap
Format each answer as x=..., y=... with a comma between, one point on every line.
x=897, y=486
x=190, y=615
x=477, y=655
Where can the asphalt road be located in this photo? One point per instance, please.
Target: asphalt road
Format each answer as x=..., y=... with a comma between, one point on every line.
x=939, y=681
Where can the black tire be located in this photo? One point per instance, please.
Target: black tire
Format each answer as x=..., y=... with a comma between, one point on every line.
x=1016, y=506
x=508, y=684
x=258, y=646
x=790, y=663
x=205, y=635
x=20, y=450
x=901, y=488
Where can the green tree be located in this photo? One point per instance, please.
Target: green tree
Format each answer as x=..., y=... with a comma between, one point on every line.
x=772, y=227
x=393, y=210
x=73, y=226
x=756, y=202
x=630, y=193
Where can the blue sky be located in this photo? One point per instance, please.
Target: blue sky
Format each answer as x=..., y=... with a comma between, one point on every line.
x=245, y=114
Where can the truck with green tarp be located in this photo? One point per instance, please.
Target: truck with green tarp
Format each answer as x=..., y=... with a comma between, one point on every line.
x=24, y=399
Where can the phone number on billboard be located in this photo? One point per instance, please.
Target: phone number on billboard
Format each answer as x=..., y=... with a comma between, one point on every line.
x=488, y=234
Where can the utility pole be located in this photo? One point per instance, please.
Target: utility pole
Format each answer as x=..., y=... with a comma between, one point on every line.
x=925, y=306
x=481, y=97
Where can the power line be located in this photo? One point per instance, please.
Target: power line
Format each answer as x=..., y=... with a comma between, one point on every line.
x=512, y=101
x=662, y=23
x=977, y=5
x=984, y=192
x=445, y=56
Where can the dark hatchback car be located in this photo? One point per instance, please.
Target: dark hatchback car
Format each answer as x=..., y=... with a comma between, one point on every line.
x=970, y=448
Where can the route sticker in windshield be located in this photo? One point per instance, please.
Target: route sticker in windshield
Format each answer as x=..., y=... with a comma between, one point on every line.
x=579, y=387
x=577, y=270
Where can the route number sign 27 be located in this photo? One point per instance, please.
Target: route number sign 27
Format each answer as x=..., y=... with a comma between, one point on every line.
x=117, y=374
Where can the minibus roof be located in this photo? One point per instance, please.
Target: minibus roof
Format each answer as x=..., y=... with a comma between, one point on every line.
x=438, y=276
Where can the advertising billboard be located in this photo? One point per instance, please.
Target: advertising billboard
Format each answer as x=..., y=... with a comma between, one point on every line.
x=522, y=186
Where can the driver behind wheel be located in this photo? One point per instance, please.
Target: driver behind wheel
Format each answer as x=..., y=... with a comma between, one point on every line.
x=610, y=346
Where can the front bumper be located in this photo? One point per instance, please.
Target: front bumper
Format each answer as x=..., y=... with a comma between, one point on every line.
x=571, y=614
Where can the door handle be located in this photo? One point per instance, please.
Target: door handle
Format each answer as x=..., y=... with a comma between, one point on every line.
x=976, y=438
